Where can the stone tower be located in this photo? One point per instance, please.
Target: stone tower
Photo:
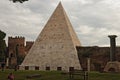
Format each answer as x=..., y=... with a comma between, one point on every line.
x=55, y=47
x=15, y=43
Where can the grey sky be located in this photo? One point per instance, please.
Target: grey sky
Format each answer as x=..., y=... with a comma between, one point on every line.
x=93, y=20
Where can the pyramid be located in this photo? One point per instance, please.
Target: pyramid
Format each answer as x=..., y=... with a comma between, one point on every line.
x=55, y=47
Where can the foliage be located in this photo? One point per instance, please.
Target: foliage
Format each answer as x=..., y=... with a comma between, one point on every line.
x=20, y=58
x=21, y=1
x=2, y=46
x=2, y=35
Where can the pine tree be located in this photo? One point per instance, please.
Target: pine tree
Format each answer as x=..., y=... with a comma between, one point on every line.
x=21, y=1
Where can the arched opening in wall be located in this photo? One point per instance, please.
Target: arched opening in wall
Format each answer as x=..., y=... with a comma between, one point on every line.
x=111, y=70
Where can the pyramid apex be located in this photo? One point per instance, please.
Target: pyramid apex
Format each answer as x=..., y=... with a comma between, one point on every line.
x=60, y=3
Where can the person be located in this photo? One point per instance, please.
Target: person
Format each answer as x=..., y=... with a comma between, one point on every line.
x=10, y=76
x=2, y=66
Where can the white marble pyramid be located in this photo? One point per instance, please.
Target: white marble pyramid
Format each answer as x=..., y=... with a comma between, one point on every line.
x=55, y=47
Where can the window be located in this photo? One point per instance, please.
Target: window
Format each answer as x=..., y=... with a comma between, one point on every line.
x=48, y=68
x=36, y=68
x=59, y=68
x=26, y=67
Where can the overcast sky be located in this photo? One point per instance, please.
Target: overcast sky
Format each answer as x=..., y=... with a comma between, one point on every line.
x=93, y=20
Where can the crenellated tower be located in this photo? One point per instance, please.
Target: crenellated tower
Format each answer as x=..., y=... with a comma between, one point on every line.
x=16, y=47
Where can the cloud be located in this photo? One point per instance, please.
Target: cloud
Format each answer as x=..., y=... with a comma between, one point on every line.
x=93, y=20
x=17, y=19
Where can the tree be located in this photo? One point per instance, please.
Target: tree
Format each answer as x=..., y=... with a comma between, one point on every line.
x=18, y=56
x=21, y=1
x=2, y=35
x=2, y=46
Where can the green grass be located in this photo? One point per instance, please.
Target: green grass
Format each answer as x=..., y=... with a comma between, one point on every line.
x=104, y=76
x=56, y=75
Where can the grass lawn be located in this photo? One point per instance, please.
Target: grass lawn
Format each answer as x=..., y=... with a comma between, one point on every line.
x=56, y=75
